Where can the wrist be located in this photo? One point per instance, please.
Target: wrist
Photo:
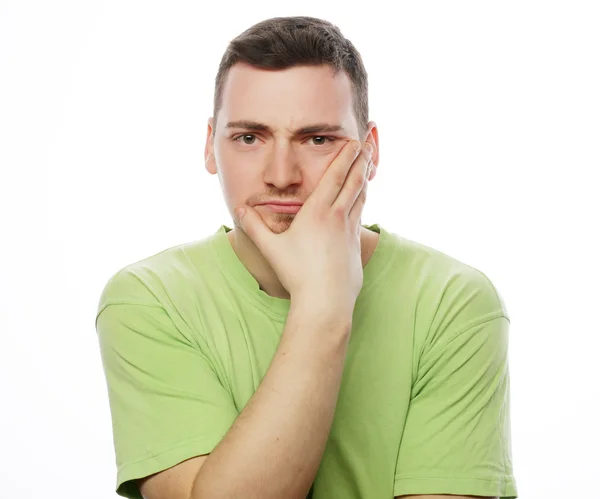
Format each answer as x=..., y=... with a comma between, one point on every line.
x=316, y=308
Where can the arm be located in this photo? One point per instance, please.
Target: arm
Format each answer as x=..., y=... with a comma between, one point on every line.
x=275, y=446
x=457, y=433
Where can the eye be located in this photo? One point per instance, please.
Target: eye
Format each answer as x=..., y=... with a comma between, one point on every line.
x=236, y=139
x=330, y=139
x=243, y=136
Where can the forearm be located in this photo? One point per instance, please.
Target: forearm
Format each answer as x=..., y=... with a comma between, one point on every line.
x=275, y=446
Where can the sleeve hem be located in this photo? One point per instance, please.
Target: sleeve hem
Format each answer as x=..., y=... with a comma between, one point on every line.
x=125, y=486
x=503, y=487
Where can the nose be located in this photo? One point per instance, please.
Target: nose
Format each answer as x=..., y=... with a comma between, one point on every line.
x=282, y=167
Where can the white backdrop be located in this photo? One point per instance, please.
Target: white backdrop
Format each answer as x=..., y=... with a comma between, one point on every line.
x=489, y=123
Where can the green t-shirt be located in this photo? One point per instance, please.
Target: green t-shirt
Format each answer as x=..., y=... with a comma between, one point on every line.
x=187, y=335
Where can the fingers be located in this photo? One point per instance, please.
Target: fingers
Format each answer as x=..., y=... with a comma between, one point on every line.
x=356, y=211
x=334, y=178
x=355, y=182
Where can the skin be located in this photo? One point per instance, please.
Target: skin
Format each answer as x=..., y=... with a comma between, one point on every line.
x=255, y=166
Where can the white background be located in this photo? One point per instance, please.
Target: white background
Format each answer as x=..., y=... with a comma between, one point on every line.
x=489, y=122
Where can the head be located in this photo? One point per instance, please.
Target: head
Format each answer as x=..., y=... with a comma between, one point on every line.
x=284, y=74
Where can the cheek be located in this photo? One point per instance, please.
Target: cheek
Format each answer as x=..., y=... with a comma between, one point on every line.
x=236, y=182
x=311, y=179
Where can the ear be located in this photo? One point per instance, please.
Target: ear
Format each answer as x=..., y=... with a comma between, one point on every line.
x=372, y=138
x=209, y=151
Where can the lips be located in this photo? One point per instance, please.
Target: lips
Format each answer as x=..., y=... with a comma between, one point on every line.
x=283, y=203
x=282, y=208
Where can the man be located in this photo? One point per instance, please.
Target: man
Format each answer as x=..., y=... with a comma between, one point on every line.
x=302, y=354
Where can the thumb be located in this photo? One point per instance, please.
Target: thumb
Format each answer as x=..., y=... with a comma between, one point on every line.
x=254, y=226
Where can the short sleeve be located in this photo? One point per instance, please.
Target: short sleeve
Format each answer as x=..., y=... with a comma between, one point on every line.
x=457, y=437
x=166, y=401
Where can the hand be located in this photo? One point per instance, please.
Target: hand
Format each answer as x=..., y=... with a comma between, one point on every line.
x=320, y=254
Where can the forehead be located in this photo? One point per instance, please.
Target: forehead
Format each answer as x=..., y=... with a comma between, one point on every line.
x=290, y=97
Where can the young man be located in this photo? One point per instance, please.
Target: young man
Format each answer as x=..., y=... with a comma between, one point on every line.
x=301, y=353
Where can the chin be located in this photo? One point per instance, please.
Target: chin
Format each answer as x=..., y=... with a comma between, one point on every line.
x=279, y=222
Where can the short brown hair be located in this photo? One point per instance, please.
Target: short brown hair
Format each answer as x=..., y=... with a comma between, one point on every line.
x=283, y=42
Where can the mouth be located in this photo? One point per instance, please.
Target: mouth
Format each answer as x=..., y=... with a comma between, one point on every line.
x=282, y=208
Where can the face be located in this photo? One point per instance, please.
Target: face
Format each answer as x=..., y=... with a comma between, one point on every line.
x=280, y=163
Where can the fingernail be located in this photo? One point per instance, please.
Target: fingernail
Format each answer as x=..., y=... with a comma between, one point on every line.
x=368, y=148
x=356, y=144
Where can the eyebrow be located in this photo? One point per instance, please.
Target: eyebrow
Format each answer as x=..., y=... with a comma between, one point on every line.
x=261, y=127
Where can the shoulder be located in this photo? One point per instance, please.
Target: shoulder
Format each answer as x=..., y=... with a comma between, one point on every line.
x=448, y=282
x=150, y=280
